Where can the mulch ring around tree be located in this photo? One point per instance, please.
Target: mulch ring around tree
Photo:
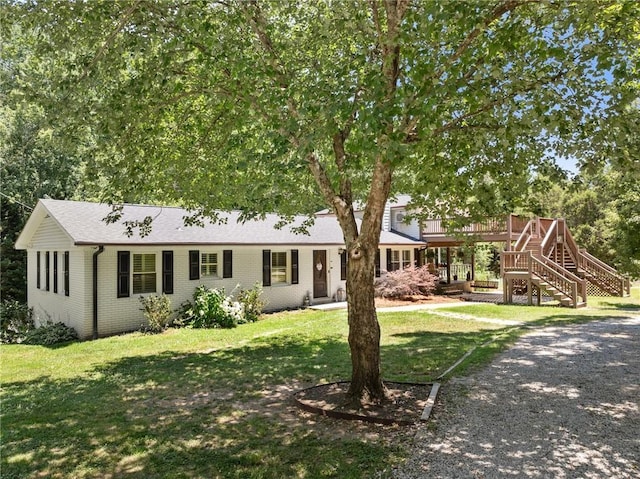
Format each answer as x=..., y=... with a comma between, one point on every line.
x=405, y=404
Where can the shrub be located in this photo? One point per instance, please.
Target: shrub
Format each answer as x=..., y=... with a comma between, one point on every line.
x=211, y=308
x=407, y=282
x=16, y=320
x=157, y=311
x=253, y=303
x=50, y=333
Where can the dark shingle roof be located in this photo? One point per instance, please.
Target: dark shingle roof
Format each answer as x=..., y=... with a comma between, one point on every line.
x=84, y=223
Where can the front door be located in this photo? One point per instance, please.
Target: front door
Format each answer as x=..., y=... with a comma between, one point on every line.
x=319, y=273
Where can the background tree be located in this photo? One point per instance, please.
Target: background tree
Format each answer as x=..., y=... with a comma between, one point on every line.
x=260, y=106
x=35, y=160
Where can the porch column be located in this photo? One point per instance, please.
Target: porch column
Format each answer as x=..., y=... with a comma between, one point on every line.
x=473, y=264
x=448, y=265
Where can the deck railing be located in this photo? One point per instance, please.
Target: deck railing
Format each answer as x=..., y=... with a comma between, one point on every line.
x=436, y=226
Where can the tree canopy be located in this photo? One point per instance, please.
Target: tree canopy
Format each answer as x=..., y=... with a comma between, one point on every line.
x=282, y=105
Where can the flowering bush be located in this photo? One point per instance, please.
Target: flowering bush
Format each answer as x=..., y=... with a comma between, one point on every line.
x=406, y=282
x=211, y=308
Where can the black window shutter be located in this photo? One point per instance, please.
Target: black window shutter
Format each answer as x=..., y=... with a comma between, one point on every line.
x=47, y=271
x=343, y=265
x=194, y=264
x=377, y=263
x=124, y=265
x=38, y=270
x=55, y=271
x=266, y=267
x=167, y=272
x=227, y=263
x=294, y=266
x=389, y=265
x=416, y=257
x=66, y=273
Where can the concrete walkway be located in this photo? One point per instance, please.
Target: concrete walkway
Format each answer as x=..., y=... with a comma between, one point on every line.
x=408, y=307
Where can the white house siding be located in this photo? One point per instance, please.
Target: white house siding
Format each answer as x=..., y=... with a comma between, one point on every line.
x=56, y=306
x=386, y=218
x=124, y=314
x=412, y=229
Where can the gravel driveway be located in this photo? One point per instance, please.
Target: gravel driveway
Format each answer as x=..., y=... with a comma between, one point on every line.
x=562, y=403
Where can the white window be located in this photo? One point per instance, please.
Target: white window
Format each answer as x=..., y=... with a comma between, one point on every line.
x=406, y=258
x=144, y=273
x=278, y=267
x=400, y=259
x=209, y=265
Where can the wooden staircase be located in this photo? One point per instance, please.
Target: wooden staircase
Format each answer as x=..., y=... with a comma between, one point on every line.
x=545, y=258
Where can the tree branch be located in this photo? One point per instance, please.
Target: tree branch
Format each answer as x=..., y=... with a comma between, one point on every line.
x=258, y=25
x=496, y=12
x=498, y=101
x=107, y=43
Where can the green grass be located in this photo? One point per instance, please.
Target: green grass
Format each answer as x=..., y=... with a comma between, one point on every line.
x=216, y=403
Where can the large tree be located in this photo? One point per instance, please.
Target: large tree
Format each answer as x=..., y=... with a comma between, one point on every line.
x=271, y=105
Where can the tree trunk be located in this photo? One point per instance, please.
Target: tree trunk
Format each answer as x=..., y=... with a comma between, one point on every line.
x=364, y=329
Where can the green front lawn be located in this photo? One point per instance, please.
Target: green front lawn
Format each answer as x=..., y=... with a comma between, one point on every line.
x=217, y=403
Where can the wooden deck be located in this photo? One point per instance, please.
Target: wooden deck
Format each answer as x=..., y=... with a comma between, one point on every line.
x=436, y=234
x=540, y=255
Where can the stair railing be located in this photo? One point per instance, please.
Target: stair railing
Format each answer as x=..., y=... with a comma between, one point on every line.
x=604, y=275
x=563, y=280
x=570, y=243
x=546, y=270
x=525, y=236
x=550, y=239
x=544, y=225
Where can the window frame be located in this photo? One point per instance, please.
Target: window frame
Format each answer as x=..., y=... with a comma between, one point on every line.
x=144, y=287
x=292, y=273
x=280, y=271
x=206, y=265
x=406, y=262
x=399, y=259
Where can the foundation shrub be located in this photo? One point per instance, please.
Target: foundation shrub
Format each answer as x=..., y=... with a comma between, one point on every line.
x=252, y=301
x=50, y=333
x=157, y=311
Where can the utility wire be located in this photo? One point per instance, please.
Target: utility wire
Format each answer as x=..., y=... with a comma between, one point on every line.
x=13, y=200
